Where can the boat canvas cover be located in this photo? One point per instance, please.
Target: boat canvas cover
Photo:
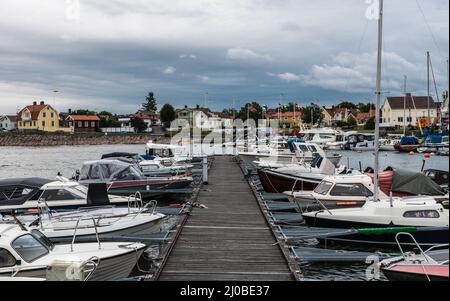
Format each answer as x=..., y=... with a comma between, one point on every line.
x=414, y=183
x=18, y=191
x=120, y=155
x=105, y=171
x=409, y=141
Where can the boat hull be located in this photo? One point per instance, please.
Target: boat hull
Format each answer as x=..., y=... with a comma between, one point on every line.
x=406, y=148
x=417, y=272
x=106, y=236
x=109, y=269
x=424, y=238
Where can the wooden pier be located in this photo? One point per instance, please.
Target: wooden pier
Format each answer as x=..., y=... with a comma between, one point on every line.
x=228, y=240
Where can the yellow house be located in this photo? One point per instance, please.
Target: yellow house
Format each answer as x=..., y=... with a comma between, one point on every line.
x=288, y=120
x=39, y=117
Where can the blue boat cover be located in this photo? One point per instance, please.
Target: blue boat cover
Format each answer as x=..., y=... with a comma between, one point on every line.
x=409, y=141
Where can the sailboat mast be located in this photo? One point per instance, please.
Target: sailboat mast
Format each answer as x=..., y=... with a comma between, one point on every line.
x=377, y=104
x=404, y=108
x=428, y=85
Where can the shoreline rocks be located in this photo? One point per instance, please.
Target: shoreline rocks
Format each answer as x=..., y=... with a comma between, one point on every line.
x=36, y=140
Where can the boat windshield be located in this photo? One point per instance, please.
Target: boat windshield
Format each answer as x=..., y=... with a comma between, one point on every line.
x=29, y=248
x=323, y=188
x=42, y=238
x=350, y=190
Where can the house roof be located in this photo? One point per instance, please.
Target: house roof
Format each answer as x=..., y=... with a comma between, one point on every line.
x=12, y=118
x=365, y=116
x=34, y=109
x=420, y=102
x=84, y=118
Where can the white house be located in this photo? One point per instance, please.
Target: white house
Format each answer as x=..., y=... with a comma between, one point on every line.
x=204, y=118
x=393, y=111
x=8, y=122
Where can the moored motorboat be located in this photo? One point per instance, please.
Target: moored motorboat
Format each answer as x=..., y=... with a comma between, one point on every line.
x=30, y=254
x=381, y=219
x=429, y=265
x=126, y=179
x=407, y=145
x=304, y=176
x=339, y=191
x=24, y=194
x=104, y=223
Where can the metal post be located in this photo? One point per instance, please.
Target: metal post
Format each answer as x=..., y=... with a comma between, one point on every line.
x=378, y=101
x=428, y=86
x=205, y=170
x=246, y=138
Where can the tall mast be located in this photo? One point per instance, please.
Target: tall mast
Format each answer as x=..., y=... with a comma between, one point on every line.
x=404, y=107
x=377, y=105
x=428, y=85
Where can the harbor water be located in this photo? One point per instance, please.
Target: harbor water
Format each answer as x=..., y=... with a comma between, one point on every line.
x=47, y=162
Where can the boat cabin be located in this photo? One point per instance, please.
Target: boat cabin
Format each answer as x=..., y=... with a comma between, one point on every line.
x=106, y=171
x=19, y=248
x=346, y=186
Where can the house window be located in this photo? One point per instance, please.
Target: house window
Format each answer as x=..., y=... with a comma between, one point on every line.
x=409, y=119
x=86, y=124
x=43, y=123
x=52, y=114
x=34, y=123
x=53, y=124
x=44, y=114
x=93, y=124
x=80, y=124
x=400, y=119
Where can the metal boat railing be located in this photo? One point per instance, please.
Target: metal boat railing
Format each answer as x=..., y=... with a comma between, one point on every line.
x=75, y=234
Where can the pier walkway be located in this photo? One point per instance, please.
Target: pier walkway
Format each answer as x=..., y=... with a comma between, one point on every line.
x=228, y=240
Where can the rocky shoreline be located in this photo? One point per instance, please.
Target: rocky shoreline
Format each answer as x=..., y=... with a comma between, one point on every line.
x=36, y=140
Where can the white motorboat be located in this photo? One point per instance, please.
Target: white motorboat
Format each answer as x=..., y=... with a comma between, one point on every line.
x=341, y=140
x=360, y=142
x=157, y=167
x=30, y=254
x=390, y=212
x=388, y=144
x=24, y=194
x=104, y=223
x=299, y=152
x=337, y=192
x=319, y=136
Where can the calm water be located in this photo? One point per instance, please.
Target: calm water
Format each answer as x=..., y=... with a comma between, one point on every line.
x=48, y=161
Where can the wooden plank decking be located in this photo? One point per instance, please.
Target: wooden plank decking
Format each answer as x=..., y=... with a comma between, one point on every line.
x=230, y=240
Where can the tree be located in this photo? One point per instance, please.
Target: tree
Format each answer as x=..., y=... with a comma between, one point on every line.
x=366, y=107
x=370, y=124
x=312, y=111
x=351, y=121
x=347, y=105
x=167, y=115
x=83, y=112
x=150, y=104
x=252, y=110
x=139, y=124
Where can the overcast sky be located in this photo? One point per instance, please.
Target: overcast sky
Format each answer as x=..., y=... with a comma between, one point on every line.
x=107, y=54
